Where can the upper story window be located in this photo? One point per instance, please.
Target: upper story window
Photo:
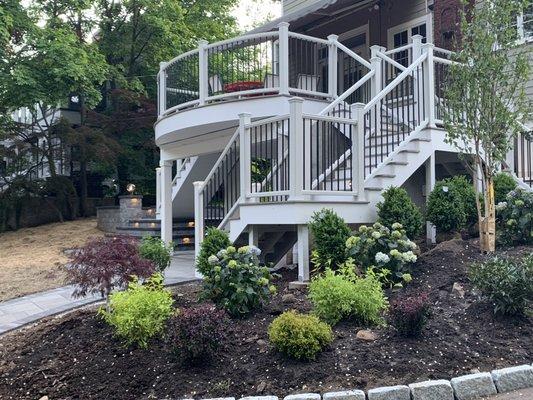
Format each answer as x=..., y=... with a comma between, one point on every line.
x=525, y=24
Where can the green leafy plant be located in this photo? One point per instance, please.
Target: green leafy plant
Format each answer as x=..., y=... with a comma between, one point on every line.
x=410, y=315
x=385, y=253
x=140, y=312
x=515, y=218
x=465, y=189
x=330, y=233
x=445, y=208
x=214, y=241
x=197, y=333
x=503, y=184
x=155, y=250
x=236, y=281
x=507, y=283
x=299, y=336
x=397, y=206
x=336, y=296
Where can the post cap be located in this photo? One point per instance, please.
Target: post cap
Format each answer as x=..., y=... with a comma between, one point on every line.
x=333, y=37
x=198, y=183
x=357, y=106
x=202, y=42
x=244, y=115
x=165, y=163
x=296, y=99
x=283, y=24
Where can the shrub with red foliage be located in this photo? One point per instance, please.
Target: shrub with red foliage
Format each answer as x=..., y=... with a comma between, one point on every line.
x=197, y=333
x=410, y=315
x=104, y=264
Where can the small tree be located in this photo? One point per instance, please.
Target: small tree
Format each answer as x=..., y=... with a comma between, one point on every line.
x=485, y=97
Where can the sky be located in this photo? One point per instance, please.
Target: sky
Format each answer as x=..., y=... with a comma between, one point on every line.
x=252, y=13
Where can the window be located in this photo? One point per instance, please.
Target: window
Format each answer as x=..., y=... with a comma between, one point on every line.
x=403, y=37
x=525, y=23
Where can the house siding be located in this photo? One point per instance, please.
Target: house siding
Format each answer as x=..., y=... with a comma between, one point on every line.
x=295, y=5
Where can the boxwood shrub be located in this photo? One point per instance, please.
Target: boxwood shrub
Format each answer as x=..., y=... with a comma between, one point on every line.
x=214, y=241
x=398, y=207
x=330, y=233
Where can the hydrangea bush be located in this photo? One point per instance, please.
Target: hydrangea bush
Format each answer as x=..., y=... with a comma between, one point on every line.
x=236, y=281
x=385, y=253
x=515, y=218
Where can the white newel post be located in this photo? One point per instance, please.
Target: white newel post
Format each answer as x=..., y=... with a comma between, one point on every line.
x=429, y=80
x=417, y=52
x=203, y=72
x=358, y=152
x=283, y=28
x=332, y=66
x=431, y=232
x=303, y=253
x=296, y=150
x=158, y=193
x=162, y=88
x=244, y=157
x=166, y=200
x=376, y=83
x=198, y=216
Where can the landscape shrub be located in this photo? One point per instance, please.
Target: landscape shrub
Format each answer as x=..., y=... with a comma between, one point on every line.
x=409, y=315
x=465, y=189
x=236, y=281
x=503, y=184
x=155, y=250
x=397, y=206
x=335, y=297
x=197, y=333
x=140, y=312
x=108, y=263
x=445, y=208
x=299, y=336
x=330, y=233
x=214, y=241
x=515, y=218
x=383, y=251
x=507, y=283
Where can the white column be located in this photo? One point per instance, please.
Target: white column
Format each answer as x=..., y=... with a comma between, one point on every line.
x=431, y=232
x=166, y=200
x=417, y=52
x=203, y=72
x=377, y=64
x=332, y=66
x=296, y=150
x=158, y=193
x=162, y=88
x=253, y=235
x=283, y=28
x=198, y=217
x=358, y=152
x=303, y=253
x=429, y=80
x=244, y=155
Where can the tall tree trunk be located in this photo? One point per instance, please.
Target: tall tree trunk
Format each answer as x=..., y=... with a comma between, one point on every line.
x=487, y=236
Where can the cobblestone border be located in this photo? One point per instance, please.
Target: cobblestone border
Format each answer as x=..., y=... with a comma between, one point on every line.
x=466, y=387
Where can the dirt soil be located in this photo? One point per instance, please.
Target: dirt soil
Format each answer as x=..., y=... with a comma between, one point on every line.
x=31, y=259
x=76, y=356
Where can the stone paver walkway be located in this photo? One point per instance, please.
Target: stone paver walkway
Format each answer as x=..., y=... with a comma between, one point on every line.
x=523, y=394
x=24, y=310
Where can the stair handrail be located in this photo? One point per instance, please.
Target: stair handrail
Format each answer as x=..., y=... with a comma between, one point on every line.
x=348, y=92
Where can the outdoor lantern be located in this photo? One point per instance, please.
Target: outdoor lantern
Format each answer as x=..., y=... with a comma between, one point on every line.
x=130, y=188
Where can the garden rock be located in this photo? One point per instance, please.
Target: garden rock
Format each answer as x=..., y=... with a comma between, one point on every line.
x=261, y=388
x=297, y=285
x=44, y=398
x=263, y=345
x=303, y=396
x=399, y=392
x=473, y=386
x=513, y=378
x=344, y=395
x=458, y=290
x=366, y=335
x=288, y=298
x=432, y=390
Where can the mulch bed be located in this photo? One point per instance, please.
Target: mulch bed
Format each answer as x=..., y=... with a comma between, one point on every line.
x=76, y=356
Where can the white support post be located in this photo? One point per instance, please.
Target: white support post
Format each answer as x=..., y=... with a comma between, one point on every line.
x=431, y=232
x=303, y=253
x=416, y=53
x=377, y=65
x=244, y=157
x=253, y=236
x=283, y=58
x=162, y=88
x=332, y=67
x=296, y=150
x=158, y=193
x=358, y=152
x=203, y=72
x=429, y=80
x=198, y=217
x=166, y=200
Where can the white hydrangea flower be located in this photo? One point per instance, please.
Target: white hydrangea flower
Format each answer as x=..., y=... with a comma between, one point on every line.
x=221, y=253
x=502, y=205
x=376, y=234
x=382, y=258
x=256, y=251
x=212, y=260
x=409, y=256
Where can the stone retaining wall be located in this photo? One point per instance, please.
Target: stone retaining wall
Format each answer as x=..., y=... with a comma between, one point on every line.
x=467, y=387
x=108, y=218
